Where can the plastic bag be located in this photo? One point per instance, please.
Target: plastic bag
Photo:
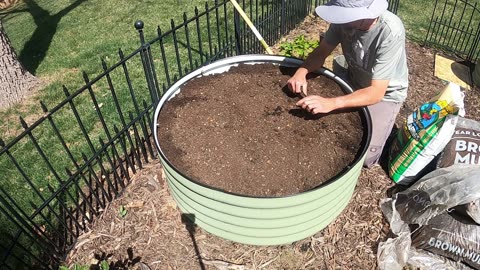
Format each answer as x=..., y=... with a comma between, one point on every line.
x=425, y=260
x=393, y=253
x=424, y=135
x=424, y=216
x=437, y=192
x=451, y=236
x=397, y=254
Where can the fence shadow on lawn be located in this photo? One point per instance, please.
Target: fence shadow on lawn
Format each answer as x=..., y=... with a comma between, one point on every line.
x=37, y=46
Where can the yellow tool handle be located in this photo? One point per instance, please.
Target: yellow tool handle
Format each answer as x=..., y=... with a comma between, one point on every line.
x=250, y=24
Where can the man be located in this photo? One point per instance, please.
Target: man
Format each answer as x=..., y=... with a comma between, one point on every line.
x=373, y=44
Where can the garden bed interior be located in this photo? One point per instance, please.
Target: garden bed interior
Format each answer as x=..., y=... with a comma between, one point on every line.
x=240, y=131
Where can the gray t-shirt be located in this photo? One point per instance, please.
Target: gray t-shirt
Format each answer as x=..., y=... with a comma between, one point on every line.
x=375, y=54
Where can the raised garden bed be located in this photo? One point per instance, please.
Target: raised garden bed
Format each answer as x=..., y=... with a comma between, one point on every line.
x=245, y=163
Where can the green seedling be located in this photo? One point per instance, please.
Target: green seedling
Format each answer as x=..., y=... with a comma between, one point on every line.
x=75, y=267
x=122, y=211
x=103, y=266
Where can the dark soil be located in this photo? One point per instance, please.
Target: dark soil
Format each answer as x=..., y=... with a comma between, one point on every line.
x=152, y=235
x=241, y=132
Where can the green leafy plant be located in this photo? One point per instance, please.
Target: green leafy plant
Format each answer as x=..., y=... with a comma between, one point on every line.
x=300, y=47
x=75, y=267
x=122, y=212
x=103, y=266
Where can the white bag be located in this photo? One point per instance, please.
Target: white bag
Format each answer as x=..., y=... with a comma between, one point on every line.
x=424, y=135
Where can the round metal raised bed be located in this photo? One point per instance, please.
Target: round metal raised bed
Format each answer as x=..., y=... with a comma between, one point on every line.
x=260, y=220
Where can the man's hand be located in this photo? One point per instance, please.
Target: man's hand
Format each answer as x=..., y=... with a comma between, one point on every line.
x=317, y=104
x=298, y=82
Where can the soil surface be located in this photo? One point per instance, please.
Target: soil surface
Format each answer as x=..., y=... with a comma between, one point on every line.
x=241, y=132
x=153, y=236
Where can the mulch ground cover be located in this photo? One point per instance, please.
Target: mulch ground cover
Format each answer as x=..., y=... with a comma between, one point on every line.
x=152, y=235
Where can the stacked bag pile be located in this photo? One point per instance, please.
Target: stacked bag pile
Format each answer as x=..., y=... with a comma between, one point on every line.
x=435, y=158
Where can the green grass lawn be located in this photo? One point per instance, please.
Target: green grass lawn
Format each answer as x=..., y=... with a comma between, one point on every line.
x=56, y=40
x=416, y=18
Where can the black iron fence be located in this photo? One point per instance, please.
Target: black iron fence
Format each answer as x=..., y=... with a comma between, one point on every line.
x=455, y=28
x=63, y=169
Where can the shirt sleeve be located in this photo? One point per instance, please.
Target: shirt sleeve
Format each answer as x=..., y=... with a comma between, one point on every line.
x=388, y=56
x=332, y=36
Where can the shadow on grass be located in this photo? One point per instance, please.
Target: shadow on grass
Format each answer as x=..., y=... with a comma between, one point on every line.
x=37, y=46
x=19, y=251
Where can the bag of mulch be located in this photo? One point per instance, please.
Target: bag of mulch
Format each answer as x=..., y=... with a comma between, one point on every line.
x=464, y=146
x=452, y=236
x=424, y=135
x=424, y=216
x=398, y=254
x=436, y=193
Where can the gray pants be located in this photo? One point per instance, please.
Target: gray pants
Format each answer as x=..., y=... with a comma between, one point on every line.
x=383, y=117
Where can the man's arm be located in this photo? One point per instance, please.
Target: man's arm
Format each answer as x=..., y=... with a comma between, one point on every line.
x=314, y=61
x=361, y=97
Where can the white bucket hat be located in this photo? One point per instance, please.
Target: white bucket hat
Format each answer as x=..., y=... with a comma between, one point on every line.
x=345, y=11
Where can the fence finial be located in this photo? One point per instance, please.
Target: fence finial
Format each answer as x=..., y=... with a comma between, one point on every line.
x=139, y=25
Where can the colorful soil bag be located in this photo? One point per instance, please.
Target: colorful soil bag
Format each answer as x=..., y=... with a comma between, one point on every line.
x=424, y=135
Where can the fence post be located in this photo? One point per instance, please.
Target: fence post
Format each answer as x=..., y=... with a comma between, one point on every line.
x=238, y=32
x=283, y=17
x=147, y=67
x=473, y=54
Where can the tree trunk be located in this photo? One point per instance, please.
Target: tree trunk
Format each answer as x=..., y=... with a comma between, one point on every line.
x=15, y=81
x=7, y=3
